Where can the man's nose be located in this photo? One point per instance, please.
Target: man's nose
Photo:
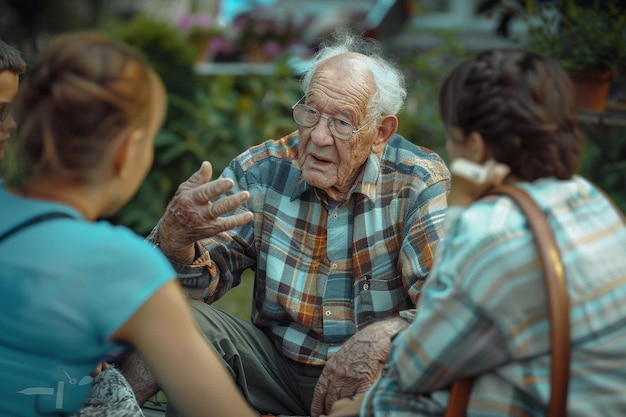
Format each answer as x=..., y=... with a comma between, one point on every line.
x=321, y=133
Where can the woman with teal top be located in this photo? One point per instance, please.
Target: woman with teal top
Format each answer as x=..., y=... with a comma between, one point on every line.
x=74, y=288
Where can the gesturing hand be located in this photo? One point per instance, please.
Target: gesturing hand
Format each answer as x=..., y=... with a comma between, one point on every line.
x=190, y=216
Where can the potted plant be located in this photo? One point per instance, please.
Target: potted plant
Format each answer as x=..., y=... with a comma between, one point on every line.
x=206, y=33
x=262, y=34
x=588, y=40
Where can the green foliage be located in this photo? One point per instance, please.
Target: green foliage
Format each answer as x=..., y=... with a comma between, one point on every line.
x=604, y=159
x=210, y=118
x=578, y=36
x=172, y=56
x=166, y=49
x=238, y=301
x=225, y=115
x=419, y=120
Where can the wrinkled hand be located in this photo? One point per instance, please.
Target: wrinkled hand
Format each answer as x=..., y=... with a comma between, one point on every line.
x=356, y=366
x=465, y=191
x=190, y=217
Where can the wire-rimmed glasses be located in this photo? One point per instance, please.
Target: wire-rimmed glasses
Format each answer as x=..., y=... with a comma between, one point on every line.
x=307, y=116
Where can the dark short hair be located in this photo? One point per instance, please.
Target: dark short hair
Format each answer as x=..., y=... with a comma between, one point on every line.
x=11, y=59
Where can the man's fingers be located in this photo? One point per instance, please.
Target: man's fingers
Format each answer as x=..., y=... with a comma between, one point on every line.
x=201, y=176
x=239, y=219
x=206, y=170
x=230, y=222
x=316, y=407
x=319, y=397
x=204, y=174
x=227, y=204
x=210, y=190
x=330, y=400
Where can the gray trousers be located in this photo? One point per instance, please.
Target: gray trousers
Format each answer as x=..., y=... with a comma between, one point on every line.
x=271, y=383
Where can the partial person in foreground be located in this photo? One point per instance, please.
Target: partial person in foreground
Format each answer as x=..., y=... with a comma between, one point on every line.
x=73, y=289
x=483, y=310
x=345, y=218
x=12, y=65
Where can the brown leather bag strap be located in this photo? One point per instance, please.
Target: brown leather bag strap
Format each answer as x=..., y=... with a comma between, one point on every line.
x=459, y=397
x=558, y=307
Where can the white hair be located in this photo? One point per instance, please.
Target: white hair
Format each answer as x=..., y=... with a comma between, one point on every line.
x=389, y=84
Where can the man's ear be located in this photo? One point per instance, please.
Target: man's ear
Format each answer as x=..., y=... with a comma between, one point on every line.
x=125, y=152
x=387, y=128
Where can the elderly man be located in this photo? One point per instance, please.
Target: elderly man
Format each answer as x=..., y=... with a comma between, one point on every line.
x=339, y=220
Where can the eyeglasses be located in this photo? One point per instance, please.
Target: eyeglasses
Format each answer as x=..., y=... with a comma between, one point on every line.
x=5, y=111
x=307, y=116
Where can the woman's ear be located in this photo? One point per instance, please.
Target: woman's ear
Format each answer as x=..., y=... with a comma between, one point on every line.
x=387, y=128
x=476, y=148
x=125, y=152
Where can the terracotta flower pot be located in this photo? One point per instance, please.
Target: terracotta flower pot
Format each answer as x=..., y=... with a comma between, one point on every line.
x=591, y=87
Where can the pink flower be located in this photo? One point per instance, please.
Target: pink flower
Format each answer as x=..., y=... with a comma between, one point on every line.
x=271, y=48
x=198, y=25
x=184, y=22
x=203, y=20
x=219, y=44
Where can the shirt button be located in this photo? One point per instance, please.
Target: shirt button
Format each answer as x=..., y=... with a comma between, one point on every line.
x=334, y=266
x=328, y=312
x=366, y=286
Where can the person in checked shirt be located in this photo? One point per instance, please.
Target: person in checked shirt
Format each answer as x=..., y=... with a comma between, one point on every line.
x=339, y=220
x=484, y=310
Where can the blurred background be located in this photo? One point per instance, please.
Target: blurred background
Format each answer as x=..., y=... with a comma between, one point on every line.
x=232, y=67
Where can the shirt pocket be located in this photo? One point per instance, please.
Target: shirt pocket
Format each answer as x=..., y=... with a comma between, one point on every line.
x=377, y=299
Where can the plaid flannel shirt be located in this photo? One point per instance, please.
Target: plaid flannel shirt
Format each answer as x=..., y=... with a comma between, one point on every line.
x=483, y=311
x=324, y=269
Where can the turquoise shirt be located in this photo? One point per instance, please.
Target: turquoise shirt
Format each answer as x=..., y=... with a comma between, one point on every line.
x=66, y=285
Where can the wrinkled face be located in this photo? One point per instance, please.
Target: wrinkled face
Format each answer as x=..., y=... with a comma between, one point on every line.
x=341, y=87
x=9, y=82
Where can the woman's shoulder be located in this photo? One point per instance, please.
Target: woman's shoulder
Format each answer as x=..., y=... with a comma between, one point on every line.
x=121, y=241
x=564, y=202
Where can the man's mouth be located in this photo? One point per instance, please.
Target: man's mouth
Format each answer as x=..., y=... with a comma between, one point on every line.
x=320, y=160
